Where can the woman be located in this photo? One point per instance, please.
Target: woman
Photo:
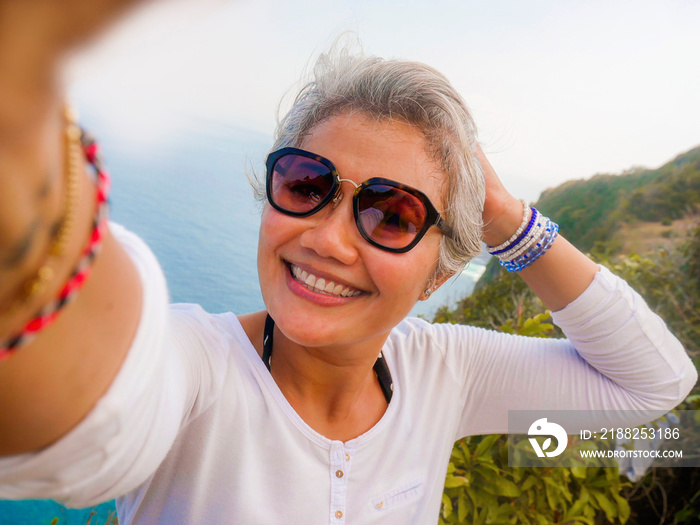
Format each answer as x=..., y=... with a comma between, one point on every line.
x=328, y=407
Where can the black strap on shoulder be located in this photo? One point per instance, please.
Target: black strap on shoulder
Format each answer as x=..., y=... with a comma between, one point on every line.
x=384, y=377
x=380, y=368
x=267, y=341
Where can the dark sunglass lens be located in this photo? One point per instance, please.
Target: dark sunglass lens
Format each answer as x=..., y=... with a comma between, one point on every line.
x=299, y=183
x=390, y=216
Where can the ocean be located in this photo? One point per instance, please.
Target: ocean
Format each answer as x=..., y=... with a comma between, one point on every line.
x=186, y=194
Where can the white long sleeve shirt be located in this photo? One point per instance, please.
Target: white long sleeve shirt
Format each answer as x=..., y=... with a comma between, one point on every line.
x=195, y=430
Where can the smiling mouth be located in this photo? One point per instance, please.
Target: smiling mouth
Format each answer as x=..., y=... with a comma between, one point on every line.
x=321, y=285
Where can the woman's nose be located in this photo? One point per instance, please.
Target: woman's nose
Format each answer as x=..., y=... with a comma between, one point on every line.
x=333, y=233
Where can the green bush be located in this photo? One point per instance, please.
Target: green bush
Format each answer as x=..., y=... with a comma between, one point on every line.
x=480, y=489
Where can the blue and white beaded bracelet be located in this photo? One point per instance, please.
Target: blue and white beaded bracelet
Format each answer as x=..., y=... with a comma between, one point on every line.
x=536, y=251
x=531, y=240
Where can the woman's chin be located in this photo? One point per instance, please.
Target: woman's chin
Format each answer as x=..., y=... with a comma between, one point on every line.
x=309, y=333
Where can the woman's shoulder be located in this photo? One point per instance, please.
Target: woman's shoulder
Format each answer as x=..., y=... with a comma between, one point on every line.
x=150, y=273
x=414, y=332
x=417, y=326
x=183, y=328
x=192, y=326
x=416, y=338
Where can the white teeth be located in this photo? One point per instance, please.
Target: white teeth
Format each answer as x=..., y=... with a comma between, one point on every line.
x=322, y=285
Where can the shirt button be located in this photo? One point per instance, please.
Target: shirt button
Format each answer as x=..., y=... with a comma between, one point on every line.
x=339, y=473
x=338, y=514
x=347, y=457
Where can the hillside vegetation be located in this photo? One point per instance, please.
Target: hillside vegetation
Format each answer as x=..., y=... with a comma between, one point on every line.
x=591, y=211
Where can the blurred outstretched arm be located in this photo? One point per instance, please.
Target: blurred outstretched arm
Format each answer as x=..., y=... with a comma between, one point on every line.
x=50, y=384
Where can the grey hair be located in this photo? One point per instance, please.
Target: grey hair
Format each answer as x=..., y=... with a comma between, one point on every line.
x=412, y=93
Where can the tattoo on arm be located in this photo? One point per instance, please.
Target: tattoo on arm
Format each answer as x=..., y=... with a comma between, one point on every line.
x=19, y=251
x=16, y=254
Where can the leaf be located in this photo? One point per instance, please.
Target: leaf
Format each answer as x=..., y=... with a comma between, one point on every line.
x=466, y=453
x=554, y=500
x=492, y=511
x=623, y=508
x=583, y=519
x=481, y=500
x=499, y=486
x=528, y=483
x=608, y=506
x=579, y=472
x=575, y=510
x=486, y=444
x=517, y=473
x=584, y=495
x=474, y=497
x=446, y=506
x=486, y=462
x=463, y=508
x=505, y=511
x=579, y=506
x=559, y=486
x=452, y=482
x=546, y=444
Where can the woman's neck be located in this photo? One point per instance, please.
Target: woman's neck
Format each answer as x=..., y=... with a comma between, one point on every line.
x=334, y=389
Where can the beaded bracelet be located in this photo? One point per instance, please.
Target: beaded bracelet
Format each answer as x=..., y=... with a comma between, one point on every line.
x=48, y=314
x=549, y=234
x=531, y=240
x=493, y=250
x=534, y=231
x=525, y=234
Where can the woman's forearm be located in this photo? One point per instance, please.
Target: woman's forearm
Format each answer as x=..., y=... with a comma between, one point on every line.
x=560, y=275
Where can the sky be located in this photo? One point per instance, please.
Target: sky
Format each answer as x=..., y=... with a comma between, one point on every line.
x=559, y=90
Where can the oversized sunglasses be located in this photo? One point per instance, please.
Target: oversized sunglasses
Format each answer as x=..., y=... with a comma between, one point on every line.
x=388, y=214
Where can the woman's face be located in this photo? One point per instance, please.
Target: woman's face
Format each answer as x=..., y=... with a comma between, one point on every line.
x=373, y=289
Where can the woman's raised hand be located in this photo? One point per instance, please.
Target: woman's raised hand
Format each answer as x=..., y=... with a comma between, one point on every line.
x=562, y=273
x=502, y=211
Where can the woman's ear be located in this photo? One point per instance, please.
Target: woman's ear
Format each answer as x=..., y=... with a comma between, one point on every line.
x=433, y=284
